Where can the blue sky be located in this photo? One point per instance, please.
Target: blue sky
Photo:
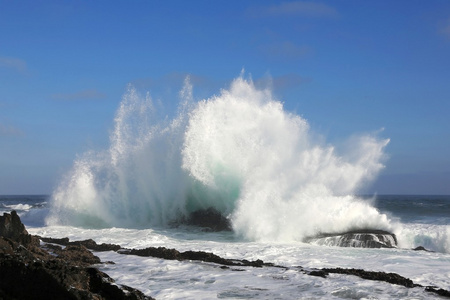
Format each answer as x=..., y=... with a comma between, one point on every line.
x=347, y=67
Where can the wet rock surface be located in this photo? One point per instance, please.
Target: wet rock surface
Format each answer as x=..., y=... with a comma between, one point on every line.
x=210, y=219
x=32, y=271
x=364, y=238
x=370, y=275
x=90, y=244
x=173, y=254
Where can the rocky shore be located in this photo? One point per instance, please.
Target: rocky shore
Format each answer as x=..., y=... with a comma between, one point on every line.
x=47, y=268
x=31, y=270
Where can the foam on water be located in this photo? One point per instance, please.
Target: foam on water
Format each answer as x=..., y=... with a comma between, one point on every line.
x=169, y=279
x=239, y=152
x=431, y=236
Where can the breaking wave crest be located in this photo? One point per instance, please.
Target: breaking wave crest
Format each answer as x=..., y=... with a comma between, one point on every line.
x=238, y=152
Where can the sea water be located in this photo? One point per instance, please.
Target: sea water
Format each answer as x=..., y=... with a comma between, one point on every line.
x=165, y=279
x=242, y=154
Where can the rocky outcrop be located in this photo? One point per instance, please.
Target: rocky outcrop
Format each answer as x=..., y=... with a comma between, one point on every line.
x=365, y=238
x=90, y=244
x=370, y=275
x=32, y=271
x=210, y=219
x=11, y=227
x=173, y=254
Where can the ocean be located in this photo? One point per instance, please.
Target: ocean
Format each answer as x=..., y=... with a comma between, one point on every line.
x=283, y=189
x=424, y=220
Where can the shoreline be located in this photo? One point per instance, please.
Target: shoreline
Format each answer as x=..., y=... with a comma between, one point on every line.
x=80, y=254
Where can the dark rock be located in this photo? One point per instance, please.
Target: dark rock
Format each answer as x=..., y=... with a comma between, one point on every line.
x=421, y=248
x=318, y=273
x=365, y=238
x=207, y=257
x=160, y=252
x=6, y=246
x=21, y=280
x=101, y=284
x=62, y=241
x=53, y=279
x=31, y=272
x=173, y=254
x=77, y=254
x=209, y=218
x=89, y=244
x=440, y=292
x=11, y=227
x=370, y=275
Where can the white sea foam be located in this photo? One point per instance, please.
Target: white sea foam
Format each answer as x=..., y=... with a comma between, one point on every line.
x=18, y=207
x=167, y=279
x=430, y=236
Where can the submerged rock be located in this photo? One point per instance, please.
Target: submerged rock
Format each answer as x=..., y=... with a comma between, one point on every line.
x=365, y=238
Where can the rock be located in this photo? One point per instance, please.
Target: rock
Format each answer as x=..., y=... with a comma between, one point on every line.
x=318, y=273
x=89, y=244
x=11, y=227
x=160, y=252
x=440, y=292
x=421, y=248
x=209, y=218
x=173, y=254
x=370, y=275
x=76, y=254
x=29, y=271
x=365, y=238
x=53, y=279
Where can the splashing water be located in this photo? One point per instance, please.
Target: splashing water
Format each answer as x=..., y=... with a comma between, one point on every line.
x=239, y=152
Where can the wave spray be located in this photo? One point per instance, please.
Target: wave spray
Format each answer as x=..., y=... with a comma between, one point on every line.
x=239, y=152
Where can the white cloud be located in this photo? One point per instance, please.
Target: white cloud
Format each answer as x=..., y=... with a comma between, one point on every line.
x=16, y=64
x=297, y=8
x=88, y=94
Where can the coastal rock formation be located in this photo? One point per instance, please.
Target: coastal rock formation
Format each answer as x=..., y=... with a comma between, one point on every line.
x=11, y=227
x=173, y=254
x=365, y=238
x=89, y=244
x=32, y=271
x=210, y=219
x=370, y=275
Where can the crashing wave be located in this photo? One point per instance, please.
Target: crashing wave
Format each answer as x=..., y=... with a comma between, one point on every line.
x=238, y=152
